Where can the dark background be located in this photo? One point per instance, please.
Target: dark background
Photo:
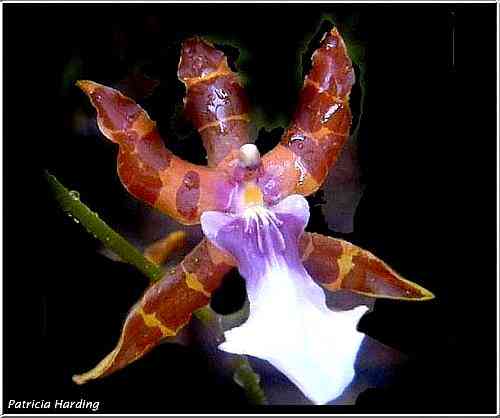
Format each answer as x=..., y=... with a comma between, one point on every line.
x=428, y=153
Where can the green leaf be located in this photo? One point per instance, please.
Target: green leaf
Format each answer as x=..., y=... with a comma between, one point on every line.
x=245, y=377
x=70, y=202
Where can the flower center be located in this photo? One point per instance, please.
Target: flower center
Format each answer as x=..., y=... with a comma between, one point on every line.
x=264, y=225
x=252, y=195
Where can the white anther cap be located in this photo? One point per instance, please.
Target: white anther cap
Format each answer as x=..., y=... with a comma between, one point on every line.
x=249, y=155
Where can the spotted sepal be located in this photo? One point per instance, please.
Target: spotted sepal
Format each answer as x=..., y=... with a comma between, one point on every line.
x=338, y=264
x=319, y=127
x=147, y=169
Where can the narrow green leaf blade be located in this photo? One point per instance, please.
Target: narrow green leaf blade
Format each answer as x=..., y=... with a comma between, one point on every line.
x=71, y=203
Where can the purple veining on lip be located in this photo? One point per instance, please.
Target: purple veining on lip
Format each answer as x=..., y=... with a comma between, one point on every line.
x=289, y=323
x=254, y=244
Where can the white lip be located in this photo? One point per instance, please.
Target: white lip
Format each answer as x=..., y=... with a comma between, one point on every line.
x=290, y=326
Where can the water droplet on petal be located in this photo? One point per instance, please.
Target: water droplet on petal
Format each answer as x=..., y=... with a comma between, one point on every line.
x=299, y=166
x=96, y=96
x=331, y=43
x=330, y=112
x=74, y=195
x=296, y=140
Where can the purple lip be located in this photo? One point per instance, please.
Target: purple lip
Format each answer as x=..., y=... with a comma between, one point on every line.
x=289, y=323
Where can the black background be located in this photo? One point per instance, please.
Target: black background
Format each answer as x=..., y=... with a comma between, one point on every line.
x=428, y=152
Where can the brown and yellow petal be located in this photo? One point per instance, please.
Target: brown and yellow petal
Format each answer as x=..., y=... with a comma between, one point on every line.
x=164, y=309
x=338, y=264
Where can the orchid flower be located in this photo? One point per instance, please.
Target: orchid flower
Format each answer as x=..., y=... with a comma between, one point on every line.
x=253, y=213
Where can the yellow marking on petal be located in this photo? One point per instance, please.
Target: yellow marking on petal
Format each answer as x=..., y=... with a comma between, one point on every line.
x=332, y=286
x=321, y=90
x=143, y=125
x=152, y=321
x=345, y=266
x=426, y=295
x=217, y=124
x=159, y=251
x=193, y=283
x=306, y=184
x=252, y=195
x=88, y=86
x=101, y=367
x=222, y=70
x=345, y=261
